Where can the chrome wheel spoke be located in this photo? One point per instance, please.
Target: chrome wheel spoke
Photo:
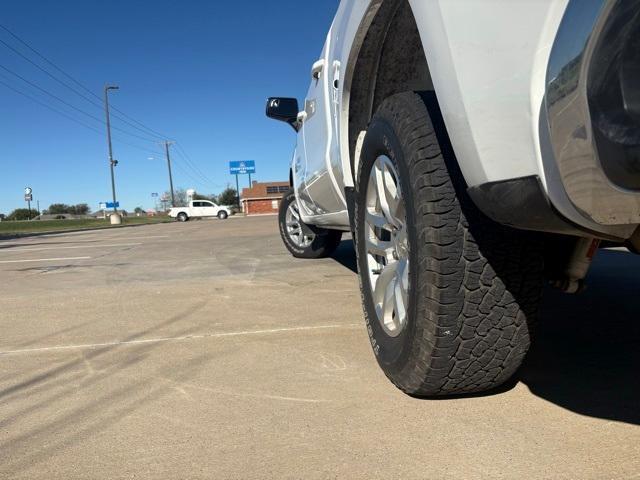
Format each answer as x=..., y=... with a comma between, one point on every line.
x=400, y=296
x=386, y=246
x=387, y=191
x=375, y=219
x=295, y=229
x=384, y=286
x=375, y=246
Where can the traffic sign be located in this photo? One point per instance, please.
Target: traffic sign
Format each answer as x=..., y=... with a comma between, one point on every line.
x=111, y=205
x=28, y=197
x=102, y=205
x=28, y=191
x=242, y=167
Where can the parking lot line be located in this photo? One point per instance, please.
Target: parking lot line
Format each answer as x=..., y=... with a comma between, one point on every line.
x=45, y=259
x=178, y=339
x=19, y=248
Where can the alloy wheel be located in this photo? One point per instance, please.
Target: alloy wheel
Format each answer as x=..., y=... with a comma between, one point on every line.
x=387, y=247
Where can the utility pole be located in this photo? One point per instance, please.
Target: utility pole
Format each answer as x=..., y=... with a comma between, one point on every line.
x=166, y=149
x=112, y=162
x=38, y=203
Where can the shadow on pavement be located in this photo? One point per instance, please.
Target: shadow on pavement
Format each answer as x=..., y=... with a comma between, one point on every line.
x=345, y=255
x=586, y=351
x=111, y=369
x=585, y=356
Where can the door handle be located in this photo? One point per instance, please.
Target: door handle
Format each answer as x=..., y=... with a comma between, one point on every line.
x=316, y=69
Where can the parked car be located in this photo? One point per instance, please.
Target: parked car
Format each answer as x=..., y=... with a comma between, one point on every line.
x=475, y=150
x=200, y=209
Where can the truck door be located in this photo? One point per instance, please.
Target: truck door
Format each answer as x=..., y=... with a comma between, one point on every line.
x=207, y=209
x=319, y=138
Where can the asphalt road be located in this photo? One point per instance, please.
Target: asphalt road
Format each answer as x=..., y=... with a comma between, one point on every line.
x=203, y=350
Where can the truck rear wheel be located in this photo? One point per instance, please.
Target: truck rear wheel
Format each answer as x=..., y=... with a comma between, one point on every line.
x=182, y=217
x=449, y=296
x=302, y=240
x=222, y=215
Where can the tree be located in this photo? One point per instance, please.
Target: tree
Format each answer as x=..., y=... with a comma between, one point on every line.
x=139, y=210
x=229, y=196
x=180, y=195
x=80, y=209
x=62, y=208
x=198, y=196
x=58, y=208
x=22, y=214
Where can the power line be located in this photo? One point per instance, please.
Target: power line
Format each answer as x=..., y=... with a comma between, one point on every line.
x=45, y=71
x=132, y=122
x=190, y=163
x=65, y=84
x=49, y=107
x=46, y=92
x=208, y=185
x=75, y=120
x=40, y=55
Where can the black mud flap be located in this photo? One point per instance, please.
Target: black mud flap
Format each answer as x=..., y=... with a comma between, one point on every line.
x=350, y=197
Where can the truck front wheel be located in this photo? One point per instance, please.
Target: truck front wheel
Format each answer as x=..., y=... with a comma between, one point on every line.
x=182, y=217
x=302, y=240
x=449, y=296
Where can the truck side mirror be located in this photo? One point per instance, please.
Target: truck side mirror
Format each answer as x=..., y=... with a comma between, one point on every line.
x=284, y=110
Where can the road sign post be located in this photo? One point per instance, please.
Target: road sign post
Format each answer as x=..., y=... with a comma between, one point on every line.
x=243, y=167
x=237, y=192
x=28, y=197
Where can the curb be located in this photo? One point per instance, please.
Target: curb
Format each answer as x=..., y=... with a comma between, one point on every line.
x=13, y=236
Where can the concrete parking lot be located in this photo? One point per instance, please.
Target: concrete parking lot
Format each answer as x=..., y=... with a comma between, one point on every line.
x=203, y=350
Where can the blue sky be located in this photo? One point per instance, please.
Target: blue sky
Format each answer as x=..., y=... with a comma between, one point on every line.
x=197, y=71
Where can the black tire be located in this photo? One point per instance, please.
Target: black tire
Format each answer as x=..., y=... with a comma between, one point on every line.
x=324, y=242
x=222, y=215
x=182, y=217
x=474, y=285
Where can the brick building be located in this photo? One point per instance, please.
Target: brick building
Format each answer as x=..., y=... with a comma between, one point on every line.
x=263, y=198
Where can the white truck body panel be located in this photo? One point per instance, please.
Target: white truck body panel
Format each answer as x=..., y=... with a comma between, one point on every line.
x=488, y=61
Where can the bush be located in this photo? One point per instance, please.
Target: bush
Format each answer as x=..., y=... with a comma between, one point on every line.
x=61, y=208
x=228, y=197
x=22, y=214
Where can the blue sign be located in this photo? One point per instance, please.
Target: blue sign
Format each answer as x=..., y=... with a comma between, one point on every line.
x=110, y=205
x=242, y=167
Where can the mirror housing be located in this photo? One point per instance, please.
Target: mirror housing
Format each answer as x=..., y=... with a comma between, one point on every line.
x=285, y=110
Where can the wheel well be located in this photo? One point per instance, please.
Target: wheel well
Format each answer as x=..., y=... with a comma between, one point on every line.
x=390, y=60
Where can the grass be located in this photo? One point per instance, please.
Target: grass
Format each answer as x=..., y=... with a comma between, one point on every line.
x=38, y=226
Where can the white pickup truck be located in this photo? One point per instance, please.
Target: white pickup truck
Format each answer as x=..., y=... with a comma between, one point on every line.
x=200, y=209
x=474, y=149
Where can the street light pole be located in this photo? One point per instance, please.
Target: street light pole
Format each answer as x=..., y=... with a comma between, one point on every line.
x=112, y=162
x=166, y=149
